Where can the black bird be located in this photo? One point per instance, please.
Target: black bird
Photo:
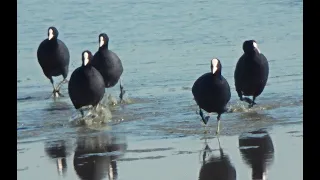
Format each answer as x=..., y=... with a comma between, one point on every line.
x=216, y=167
x=86, y=85
x=257, y=150
x=53, y=57
x=211, y=91
x=108, y=64
x=251, y=73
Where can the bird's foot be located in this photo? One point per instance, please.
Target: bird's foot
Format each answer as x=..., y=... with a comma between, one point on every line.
x=249, y=101
x=204, y=119
x=251, y=105
x=56, y=93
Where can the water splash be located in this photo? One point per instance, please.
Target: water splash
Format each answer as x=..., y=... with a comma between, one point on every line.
x=92, y=116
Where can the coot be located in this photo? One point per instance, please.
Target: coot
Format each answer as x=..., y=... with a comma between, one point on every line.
x=251, y=73
x=108, y=64
x=86, y=85
x=53, y=57
x=211, y=91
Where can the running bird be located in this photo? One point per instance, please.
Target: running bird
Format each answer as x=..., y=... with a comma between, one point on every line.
x=108, y=64
x=251, y=73
x=86, y=85
x=211, y=91
x=53, y=57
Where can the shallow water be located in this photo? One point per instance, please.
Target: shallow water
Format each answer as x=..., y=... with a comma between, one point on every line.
x=164, y=47
x=111, y=156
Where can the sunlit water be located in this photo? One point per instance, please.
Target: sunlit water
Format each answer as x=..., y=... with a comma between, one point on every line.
x=164, y=46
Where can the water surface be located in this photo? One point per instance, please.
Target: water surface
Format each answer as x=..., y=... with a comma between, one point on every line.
x=164, y=46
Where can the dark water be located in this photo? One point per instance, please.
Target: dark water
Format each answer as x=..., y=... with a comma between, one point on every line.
x=164, y=46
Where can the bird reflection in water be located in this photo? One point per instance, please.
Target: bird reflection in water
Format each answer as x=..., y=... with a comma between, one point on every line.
x=216, y=167
x=58, y=150
x=95, y=156
x=257, y=151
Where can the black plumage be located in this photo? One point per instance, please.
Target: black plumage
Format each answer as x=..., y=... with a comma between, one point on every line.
x=86, y=85
x=108, y=64
x=211, y=91
x=251, y=73
x=53, y=57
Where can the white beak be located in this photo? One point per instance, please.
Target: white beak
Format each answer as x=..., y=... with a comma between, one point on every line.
x=214, y=63
x=214, y=69
x=101, y=42
x=86, y=61
x=50, y=36
x=256, y=46
x=86, y=58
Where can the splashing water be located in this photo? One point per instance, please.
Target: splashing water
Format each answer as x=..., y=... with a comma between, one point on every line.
x=92, y=116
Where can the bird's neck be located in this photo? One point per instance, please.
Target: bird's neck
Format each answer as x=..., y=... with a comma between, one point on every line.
x=104, y=47
x=217, y=74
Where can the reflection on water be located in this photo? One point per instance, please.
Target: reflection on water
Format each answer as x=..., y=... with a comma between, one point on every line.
x=216, y=167
x=257, y=151
x=95, y=156
x=58, y=150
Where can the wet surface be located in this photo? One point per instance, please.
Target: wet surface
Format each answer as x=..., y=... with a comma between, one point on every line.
x=164, y=46
x=105, y=155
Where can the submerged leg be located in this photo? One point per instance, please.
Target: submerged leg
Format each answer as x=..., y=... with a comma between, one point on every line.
x=82, y=113
x=252, y=102
x=218, y=126
x=122, y=91
x=247, y=100
x=59, y=86
x=54, y=92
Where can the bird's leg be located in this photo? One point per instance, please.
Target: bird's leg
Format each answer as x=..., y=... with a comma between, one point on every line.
x=82, y=113
x=122, y=91
x=55, y=93
x=204, y=120
x=59, y=86
x=252, y=102
x=218, y=126
x=247, y=100
x=239, y=94
x=60, y=83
